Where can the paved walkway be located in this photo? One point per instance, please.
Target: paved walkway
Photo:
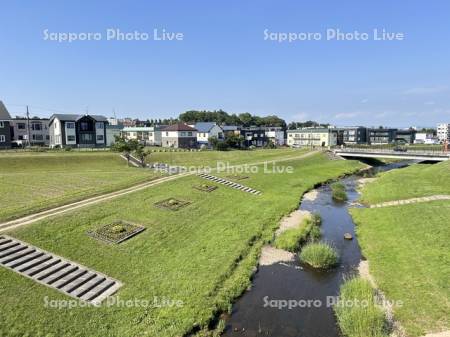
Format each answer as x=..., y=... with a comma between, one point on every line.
x=105, y=197
x=411, y=201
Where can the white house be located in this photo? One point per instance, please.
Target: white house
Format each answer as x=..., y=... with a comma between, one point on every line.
x=150, y=135
x=275, y=134
x=206, y=130
x=311, y=137
x=179, y=135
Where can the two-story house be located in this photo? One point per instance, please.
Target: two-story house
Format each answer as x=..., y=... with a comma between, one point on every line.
x=207, y=130
x=34, y=128
x=67, y=130
x=179, y=135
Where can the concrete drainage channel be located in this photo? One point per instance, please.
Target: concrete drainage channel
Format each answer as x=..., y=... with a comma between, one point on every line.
x=229, y=183
x=55, y=272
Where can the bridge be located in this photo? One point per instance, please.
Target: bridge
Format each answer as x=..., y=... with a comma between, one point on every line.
x=391, y=153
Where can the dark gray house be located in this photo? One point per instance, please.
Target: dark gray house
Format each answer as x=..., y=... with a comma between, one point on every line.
x=352, y=135
x=67, y=130
x=5, y=127
x=254, y=136
x=381, y=136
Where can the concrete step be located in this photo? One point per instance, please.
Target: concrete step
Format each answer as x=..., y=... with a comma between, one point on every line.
x=229, y=183
x=56, y=272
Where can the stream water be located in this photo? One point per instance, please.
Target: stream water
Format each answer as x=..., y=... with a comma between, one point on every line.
x=258, y=313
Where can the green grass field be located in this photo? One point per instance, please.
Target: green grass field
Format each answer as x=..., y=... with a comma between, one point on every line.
x=415, y=181
x=201, y=255
x=30, y=182
x=210, y=158
x=408, y=246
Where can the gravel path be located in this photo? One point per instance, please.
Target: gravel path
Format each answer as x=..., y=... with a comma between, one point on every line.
x=411, y=201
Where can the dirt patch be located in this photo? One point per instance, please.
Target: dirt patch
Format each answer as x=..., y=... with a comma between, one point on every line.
x=440, y=334
x=364, y=181
x=311, y=195
x=271, y=255
x=293, y=220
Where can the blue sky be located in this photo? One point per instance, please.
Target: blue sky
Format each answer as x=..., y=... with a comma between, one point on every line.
x=223, y=61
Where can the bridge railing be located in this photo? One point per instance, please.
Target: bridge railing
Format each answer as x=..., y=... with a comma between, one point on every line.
x=391, y=151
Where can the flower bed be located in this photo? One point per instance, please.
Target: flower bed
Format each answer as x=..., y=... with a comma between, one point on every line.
x=116, y=232
x=171, y=204
x=205, y=187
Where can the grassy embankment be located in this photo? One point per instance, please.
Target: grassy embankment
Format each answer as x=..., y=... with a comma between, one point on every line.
x=30, y=182
x=408, y=246
x=202, y=254
x=34, y=181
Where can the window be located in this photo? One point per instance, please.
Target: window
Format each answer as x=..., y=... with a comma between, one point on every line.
x=189, y=134
x=36, y=126
x=20, y=137
x=2, y=125
x=167, y=135
x=70, y=138
x=99, y=137
x=2, y=138
x=84, y=126
x=21, y=126
x=47, y=137
x=87, y=138
x=69, y=125
x=99, y=125
x=38, y=137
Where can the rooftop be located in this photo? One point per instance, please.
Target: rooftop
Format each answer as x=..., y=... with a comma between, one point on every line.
x=179, y=127
x=4, y=114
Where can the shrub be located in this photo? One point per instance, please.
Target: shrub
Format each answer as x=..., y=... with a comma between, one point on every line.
x=364, y=320
x=338, y=192
x=319, y=255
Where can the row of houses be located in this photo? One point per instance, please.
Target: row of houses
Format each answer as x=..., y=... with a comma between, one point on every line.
x=74, y=130
x=181, y=135
x=360, y=135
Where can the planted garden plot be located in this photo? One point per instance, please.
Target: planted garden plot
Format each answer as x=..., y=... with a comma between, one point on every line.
x=172, y=204
x=205, y=187
x=116, y=232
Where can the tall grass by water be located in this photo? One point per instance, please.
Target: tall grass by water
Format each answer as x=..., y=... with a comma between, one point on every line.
x=319, y=255
x=338, y=192
x=292, y=239
x=357, y=312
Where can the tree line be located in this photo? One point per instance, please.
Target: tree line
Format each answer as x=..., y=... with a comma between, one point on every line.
x=222, y=117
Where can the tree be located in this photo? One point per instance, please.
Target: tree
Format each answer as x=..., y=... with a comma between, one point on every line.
x=125, y=146
x=234, y=141
x=141, y=153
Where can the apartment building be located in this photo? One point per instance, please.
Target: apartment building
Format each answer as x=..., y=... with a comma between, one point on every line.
x=381, y=136
x=312, y=137
x=443, y=132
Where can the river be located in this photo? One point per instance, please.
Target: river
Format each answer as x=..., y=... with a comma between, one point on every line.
x=258, y=313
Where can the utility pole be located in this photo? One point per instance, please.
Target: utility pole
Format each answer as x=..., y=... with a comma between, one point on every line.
x=28, y=127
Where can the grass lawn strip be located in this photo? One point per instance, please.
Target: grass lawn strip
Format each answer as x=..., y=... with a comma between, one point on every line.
x=201, y=255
